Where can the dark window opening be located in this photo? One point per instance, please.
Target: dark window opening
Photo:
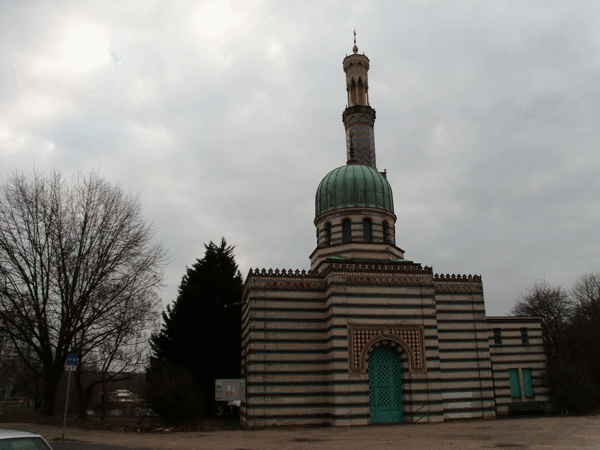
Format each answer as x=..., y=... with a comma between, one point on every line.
x=353, y=93
x=367, y=230
x=386, y=231
x=347, y=230
x=524, y=336
x=497, y=336
x=328, y=233
x=361, y=92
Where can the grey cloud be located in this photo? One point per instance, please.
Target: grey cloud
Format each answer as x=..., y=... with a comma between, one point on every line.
x=487, y=120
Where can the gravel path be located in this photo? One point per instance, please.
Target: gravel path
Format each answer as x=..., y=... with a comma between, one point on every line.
x=543, y=433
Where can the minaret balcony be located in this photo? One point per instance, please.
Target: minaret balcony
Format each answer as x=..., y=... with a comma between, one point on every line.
x=365, y=112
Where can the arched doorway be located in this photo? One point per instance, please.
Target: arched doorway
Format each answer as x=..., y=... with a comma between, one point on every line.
x=385, y=387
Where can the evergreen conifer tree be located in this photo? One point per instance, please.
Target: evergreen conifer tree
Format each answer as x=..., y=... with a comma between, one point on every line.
x=201, y=331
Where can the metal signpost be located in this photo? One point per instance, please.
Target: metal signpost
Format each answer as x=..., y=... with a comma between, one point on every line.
x=70, y=367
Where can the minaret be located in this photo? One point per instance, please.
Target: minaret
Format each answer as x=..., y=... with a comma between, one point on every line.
x=359, y=117
x=354, y=203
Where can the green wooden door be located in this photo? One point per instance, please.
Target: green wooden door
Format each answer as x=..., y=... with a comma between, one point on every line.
x=527, y=384
x=385, y=388
x=515, y=389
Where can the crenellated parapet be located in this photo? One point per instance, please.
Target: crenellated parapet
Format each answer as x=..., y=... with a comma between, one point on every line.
x=282, y=273
x=356, y=267
x=447, y=278
x=291, y=280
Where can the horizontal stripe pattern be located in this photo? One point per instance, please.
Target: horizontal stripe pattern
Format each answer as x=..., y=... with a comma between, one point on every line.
x=296, y=359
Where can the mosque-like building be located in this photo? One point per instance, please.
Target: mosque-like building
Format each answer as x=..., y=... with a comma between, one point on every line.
x=367, y=336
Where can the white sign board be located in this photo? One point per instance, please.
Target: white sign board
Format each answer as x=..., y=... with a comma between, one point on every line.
x=230, y=390
x=70, y=368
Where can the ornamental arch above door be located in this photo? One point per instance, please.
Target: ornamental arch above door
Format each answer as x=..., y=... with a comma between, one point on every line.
x=363, y=338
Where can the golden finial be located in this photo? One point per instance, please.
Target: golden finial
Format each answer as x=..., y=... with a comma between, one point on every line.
x=355, y=48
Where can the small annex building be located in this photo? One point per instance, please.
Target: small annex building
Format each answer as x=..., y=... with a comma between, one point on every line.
x=367, y=336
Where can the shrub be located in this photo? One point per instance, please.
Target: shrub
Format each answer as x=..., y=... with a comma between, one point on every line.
x=172, y=394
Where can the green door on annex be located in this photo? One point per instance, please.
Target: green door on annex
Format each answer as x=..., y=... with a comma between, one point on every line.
x=385, y=388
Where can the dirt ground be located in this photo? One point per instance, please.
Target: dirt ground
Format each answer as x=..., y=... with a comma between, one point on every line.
x=550, y=432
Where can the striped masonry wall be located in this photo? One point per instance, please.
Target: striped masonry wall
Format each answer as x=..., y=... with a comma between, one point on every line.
x=512, y=353
x=284, y=352
x=307, y=336
x=295, y=344
x=371, y=298
x=467, y=388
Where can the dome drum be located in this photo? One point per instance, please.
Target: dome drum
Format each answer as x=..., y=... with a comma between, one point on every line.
x=347, y=233
x=380, y=228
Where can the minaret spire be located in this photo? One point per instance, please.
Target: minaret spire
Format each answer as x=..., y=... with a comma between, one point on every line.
x=359, y=117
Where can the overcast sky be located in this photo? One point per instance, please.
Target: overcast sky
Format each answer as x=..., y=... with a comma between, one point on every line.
x=224, y=116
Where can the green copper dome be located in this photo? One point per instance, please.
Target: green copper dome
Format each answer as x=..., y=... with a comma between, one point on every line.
x=351, y=186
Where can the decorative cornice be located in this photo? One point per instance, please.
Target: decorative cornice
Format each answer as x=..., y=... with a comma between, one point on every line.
x=379, y=281
x=411, y=268
x=446, y=288
x=295, y=285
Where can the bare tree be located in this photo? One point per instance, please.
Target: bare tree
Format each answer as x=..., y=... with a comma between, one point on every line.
x=71, y=251
x=29, y=382
x=116, y=347
x=586, y=295
x=584, y=333
x=8, y=375
x=553, y=305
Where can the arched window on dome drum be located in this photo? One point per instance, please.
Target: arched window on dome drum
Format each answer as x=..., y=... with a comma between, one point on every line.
x=328, y=233
x=367, y=230
x=386, y=231
x=347, y=230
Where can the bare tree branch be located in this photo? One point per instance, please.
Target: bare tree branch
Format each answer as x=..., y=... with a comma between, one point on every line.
x=72, y=256
x=553, y=305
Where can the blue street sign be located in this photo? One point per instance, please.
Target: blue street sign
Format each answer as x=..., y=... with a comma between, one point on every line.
x=71, y=359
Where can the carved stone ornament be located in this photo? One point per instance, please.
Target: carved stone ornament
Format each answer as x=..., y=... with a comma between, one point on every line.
x=362, y=338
